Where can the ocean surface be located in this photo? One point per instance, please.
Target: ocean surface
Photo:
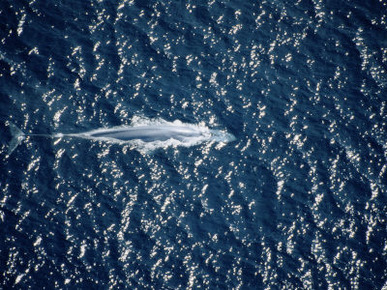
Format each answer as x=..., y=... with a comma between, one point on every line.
x=297, y=201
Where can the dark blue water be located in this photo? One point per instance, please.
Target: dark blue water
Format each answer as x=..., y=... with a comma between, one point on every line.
x=297, y=201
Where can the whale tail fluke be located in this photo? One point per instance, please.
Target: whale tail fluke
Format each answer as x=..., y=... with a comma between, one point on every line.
x=17, y=137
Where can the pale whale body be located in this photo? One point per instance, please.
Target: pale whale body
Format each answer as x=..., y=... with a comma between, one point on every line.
x=146, y=133
x=145, y=136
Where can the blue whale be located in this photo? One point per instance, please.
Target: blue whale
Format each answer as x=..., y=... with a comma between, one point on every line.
x=156, y=132
x=146, y=133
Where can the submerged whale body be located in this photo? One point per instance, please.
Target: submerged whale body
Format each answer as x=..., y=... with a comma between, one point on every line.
x=147, y=133
x=146, y=136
